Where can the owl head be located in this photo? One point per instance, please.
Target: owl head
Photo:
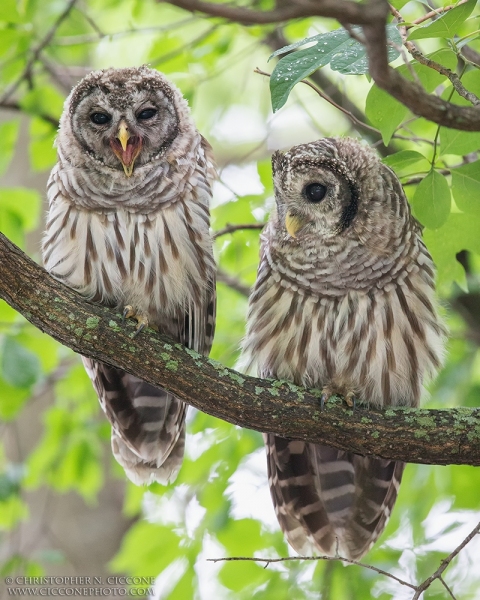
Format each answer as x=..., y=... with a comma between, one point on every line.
x=336, y=188
x=119, y=120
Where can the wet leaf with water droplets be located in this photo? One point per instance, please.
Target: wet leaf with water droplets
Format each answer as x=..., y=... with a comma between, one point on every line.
x=336, y=48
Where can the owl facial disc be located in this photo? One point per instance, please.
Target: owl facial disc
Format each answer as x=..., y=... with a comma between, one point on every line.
x=126, y=147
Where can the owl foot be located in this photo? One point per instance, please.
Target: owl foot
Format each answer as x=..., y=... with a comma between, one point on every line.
x=142, y=320
x=327, y=392
x=350, y=400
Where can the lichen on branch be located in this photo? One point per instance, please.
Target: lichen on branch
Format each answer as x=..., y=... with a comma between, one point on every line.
x=441, y=437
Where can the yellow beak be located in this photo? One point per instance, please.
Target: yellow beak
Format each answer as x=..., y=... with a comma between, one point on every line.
x=123, y=135
x=293, y=224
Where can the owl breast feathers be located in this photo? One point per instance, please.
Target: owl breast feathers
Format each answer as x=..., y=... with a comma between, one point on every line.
x=128, y=227
x=344, y=301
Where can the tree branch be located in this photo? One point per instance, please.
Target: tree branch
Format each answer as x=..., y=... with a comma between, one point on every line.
x=413, y=435
x=37, y=51
x=358, y=14
x=372, y=16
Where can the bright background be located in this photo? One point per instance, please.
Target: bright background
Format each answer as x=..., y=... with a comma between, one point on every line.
x=65, y=507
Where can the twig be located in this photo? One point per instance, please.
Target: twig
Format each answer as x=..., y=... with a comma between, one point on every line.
x=89, y=38
x=16, y=106
x=310, y=558
x=36, y=52
x=232, y=282
x=418, y=589
x=346, y=112
x=444, y=564
x=434, y=13
x=453, y=77
x=230, y=228
x=174, y=53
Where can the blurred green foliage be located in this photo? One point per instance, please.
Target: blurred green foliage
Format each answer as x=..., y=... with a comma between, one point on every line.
x=202, y=515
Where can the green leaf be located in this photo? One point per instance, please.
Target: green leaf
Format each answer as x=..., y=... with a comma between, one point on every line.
x=20, y=367
x=146, y=550
x=447, y=25
x=9, y=12
x=238, y=575
x=8, y=135
x=241, y=537
x=407, y=161
x=431, y=201
x=12, y=400
x=42, y=152
x=336, y=48
x=466, y=187
x=453, y=141
x=23, y=203
x=460, y=232
x=386, y=113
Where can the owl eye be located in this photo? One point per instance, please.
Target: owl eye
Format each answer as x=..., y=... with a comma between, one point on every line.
x=148, y=113
x=100, y=118
x=315, y=192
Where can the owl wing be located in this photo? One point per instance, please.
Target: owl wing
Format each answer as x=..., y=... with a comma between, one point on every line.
x=330, y=500
x=148, y=423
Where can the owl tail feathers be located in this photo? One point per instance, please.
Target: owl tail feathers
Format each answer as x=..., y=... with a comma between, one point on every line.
x=329, y=501
x=148, y=423
x=141, y=472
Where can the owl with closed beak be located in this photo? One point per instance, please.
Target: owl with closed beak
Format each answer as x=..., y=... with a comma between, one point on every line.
x=128, y=227
x=344, y=301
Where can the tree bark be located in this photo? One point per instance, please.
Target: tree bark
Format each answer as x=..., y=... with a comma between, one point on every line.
x=414, y=435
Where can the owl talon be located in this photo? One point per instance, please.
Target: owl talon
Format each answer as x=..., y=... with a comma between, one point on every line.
x=142, y=320
x=326, y=393
x=142, y=323
x=128, y=312
x=350, y=400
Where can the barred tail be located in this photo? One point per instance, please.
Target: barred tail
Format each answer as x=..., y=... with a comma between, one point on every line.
x=148, y=423
x=333, y=501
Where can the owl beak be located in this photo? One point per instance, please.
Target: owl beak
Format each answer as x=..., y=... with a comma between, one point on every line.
x=126, y=147
x=293, y=223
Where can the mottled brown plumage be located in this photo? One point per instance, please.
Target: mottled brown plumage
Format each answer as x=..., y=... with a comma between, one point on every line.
x=128, y=227
x=344, y=301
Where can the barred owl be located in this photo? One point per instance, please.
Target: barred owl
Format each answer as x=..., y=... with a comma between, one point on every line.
x=128, y=227
x=344, y=302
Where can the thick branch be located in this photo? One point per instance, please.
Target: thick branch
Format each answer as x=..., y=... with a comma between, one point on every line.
x=372, y=16
x=337, y=9
x=422, y=436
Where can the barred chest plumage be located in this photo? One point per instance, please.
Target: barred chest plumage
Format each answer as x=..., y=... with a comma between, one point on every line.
x=381, y=342
x=153, y=261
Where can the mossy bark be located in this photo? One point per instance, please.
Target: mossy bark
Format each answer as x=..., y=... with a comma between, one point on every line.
x=450, y=436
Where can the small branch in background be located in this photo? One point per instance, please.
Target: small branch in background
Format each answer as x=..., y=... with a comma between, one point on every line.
x=415, y=180
x=26, y=73
x=233, y=282
x=444, y=564
x=267, y=561
x=330, y=101
x=230, y=228
x=418, y=589
x=16, y=107
x=453, y=77
x=471, y=56
x=434, y=13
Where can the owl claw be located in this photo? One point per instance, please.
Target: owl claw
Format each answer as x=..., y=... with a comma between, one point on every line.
x=350, y=400
x=128, y=312
x=142, y=320
x=326, y=393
